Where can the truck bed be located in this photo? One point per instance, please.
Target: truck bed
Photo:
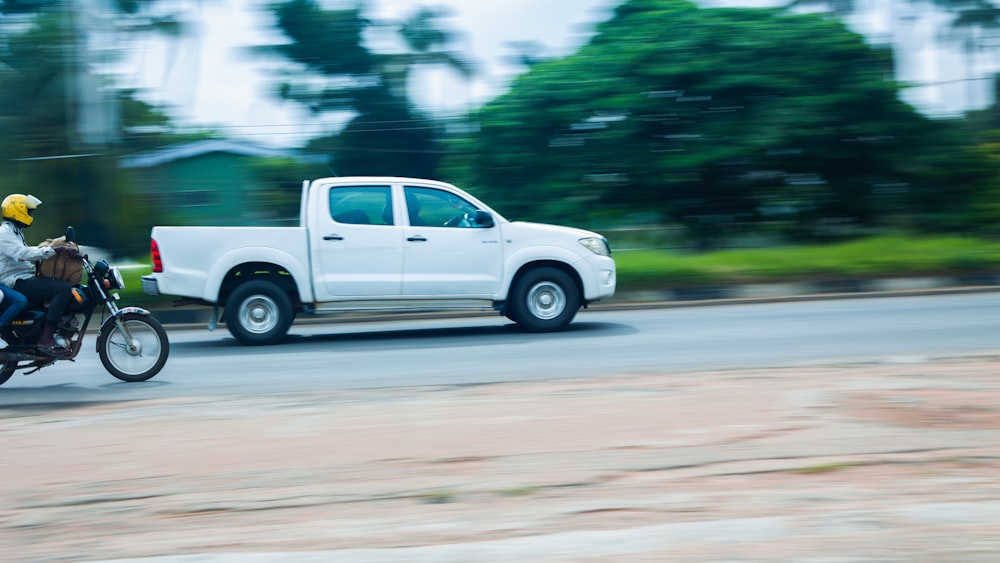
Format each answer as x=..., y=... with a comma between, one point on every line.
x=194, y=274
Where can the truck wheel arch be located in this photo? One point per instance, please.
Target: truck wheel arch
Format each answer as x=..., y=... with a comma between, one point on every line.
x=259, y=271
x=231, y=267
x=566, y=268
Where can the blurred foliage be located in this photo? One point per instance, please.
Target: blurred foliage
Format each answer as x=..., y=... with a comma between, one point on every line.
x=985, y=199
x=710, y=118
x=386, y=138
x=282, y=197
x=387, y=135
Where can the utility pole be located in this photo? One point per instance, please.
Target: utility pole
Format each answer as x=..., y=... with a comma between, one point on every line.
x=93, y=107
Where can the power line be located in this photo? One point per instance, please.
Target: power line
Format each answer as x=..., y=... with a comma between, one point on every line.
x=58, y=156
x=193, y=129
x=298, y=124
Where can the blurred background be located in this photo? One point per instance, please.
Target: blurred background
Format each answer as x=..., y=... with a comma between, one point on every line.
x=660, y=123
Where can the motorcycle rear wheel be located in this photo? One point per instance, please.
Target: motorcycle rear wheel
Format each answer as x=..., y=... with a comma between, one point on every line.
x=139, y=360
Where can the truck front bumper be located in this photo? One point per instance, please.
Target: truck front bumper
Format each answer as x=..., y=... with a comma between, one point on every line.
x=600, y=277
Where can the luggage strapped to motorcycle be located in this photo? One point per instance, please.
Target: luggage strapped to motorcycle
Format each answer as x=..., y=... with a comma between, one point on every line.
x=59, y=267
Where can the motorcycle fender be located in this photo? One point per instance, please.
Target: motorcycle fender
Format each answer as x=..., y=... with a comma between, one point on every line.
x=123, y=311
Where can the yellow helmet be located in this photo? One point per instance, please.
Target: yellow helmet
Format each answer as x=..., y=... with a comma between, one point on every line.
x=19, y=208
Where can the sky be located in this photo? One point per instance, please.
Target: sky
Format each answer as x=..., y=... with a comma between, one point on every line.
x=208, y=80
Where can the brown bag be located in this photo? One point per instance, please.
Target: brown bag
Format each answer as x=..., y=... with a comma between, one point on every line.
x=61, y=267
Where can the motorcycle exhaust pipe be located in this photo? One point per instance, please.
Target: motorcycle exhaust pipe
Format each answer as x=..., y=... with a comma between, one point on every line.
x=16, y=357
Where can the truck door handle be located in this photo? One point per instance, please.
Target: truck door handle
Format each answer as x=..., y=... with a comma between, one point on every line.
x=416, y=238
x=333, y=237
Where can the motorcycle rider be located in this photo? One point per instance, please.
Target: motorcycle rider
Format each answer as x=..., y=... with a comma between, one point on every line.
x=17, y=267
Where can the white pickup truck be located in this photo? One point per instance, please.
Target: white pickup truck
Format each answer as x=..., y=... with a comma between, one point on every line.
x=382, y=244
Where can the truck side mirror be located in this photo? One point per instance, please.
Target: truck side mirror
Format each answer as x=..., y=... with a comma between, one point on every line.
x=483, y=219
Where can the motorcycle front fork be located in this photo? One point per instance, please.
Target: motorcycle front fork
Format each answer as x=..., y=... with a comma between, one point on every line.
x=130, y=345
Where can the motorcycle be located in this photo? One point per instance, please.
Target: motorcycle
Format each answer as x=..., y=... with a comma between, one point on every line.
x=132, y=345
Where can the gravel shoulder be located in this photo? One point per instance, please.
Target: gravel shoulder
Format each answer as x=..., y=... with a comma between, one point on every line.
x=869, y=462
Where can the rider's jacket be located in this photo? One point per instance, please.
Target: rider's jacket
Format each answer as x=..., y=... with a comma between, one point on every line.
x=17, y=259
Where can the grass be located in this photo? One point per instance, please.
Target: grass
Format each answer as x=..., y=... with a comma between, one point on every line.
x=518, y=491
x=877, y=257
x=869, y=258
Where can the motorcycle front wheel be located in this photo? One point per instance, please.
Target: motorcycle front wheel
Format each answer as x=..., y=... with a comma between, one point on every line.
x=138, y=356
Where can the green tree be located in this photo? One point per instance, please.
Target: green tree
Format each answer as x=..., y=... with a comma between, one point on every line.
x=967, y=194
x=386, y=133
x=706, y=117
x=985, y=202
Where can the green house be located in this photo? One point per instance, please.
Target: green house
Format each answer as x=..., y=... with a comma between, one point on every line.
x=208, y=182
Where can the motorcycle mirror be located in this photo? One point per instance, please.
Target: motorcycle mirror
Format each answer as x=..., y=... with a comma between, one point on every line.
x=70, y=234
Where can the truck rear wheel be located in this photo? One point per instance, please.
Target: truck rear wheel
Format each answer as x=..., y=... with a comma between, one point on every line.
x=258, y=313
x=544, y=300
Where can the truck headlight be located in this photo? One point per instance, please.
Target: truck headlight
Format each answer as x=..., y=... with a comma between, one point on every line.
x=597, y=245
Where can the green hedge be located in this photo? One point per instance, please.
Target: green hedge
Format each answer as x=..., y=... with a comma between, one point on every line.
x=869, y=258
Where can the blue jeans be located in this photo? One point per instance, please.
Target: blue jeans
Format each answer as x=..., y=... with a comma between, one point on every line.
x=13, y=303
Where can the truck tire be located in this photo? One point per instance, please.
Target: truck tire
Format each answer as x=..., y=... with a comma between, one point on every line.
x=543, y=300
x=258, y=313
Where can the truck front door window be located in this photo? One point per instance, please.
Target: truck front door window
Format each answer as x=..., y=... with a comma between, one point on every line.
x=438, y=208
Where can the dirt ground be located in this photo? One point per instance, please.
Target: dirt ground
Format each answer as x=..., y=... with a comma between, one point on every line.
x=877, y=462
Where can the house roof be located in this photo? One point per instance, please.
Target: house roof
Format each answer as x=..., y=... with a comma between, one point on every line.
x=181, y=151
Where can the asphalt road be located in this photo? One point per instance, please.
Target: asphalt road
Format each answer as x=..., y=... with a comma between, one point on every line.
x=854, y=440
x=479, y=350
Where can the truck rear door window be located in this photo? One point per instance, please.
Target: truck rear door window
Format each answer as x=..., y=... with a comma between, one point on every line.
x=361, y=205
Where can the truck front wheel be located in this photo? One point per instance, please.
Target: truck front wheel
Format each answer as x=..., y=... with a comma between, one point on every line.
x=544, y=300
x=258, y=313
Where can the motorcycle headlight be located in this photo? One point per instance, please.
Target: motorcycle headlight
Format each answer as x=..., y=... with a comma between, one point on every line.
x=119, y=280
x=597, y=245
x=115, y=279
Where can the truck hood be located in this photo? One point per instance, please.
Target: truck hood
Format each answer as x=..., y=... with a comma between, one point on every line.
x=539, y=232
